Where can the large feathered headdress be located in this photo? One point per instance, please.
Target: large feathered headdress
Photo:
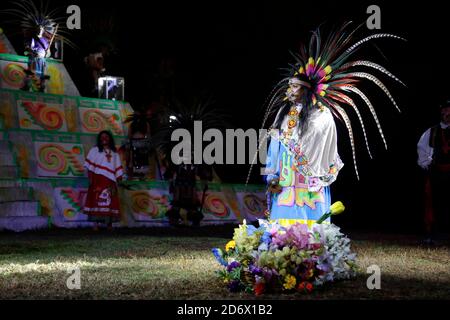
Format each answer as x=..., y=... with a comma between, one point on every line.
x=30, y=17
x=332, y=80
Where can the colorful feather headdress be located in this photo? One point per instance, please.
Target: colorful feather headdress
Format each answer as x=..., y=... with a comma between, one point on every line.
x=333, y=80
x=31, y=17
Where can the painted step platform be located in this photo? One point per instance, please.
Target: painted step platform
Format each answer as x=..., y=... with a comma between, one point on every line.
x=16, y=194
x=5, y=146
x=20, y=209
x=6, y=159
x=19, y=224
x=8, y=172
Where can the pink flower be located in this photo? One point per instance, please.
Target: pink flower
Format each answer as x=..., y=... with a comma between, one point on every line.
x=296, y=235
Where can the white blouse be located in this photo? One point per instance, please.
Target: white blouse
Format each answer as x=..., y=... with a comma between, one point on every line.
x=424, y=151
x=318, y=145
x=97, y=162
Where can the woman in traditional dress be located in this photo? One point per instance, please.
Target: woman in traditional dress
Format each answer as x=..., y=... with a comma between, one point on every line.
x=302, y=160
x=320, y=87
x=104, y=171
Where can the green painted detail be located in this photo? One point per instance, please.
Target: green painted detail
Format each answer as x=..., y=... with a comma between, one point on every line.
x=14, y=155
x=84, y=102
x=39, y=209
x=70, y=200
x=82, y=182
x=31, y=193
x=93, y=103
x=249, y=187
x=35, y=97
x=23, y=59
x=49, y=133
x=48, y=136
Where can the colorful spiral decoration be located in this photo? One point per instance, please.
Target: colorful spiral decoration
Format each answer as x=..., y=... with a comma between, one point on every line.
x=142, y=203
x=14, y=75
x=216, y=206
x=48, y=117
x=254, y=205
x=57, y=160
x=95, y=121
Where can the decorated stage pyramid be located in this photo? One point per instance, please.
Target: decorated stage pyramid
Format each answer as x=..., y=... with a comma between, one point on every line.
x=44, y=138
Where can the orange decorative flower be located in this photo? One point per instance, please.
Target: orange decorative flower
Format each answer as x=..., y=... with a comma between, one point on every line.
x=309, y=287
x=292, y=123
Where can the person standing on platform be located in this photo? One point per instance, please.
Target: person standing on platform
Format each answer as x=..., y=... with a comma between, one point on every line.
x=104, y=172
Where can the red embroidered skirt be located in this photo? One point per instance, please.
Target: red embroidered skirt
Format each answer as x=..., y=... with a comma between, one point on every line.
x=102, y=201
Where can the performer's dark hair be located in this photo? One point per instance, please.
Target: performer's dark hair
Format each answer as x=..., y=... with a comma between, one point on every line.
x=112, y=144
x=303, y=116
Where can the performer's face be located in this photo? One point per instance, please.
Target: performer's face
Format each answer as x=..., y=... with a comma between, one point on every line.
x=445, y=115
x=295, y=90
x=104, y=139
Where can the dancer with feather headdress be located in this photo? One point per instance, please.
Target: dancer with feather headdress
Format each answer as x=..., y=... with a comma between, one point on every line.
x=40, y=27
x=303, y=159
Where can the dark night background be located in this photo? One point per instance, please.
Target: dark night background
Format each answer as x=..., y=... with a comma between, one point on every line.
x=234, y=50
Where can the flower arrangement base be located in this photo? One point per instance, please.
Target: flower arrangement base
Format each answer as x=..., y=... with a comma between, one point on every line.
x=274, y=259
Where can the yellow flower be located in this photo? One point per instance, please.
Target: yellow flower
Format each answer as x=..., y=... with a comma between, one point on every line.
x=337, y=208
x=230, y=245
x=289, y=282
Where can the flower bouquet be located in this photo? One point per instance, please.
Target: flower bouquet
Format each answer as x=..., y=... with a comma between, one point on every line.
x=272, y=258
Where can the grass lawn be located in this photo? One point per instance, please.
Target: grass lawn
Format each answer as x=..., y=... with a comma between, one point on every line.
x=178, y=264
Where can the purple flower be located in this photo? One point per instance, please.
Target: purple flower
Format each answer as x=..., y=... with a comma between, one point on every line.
x=233, y=265
x=296, y=235
x=255, y=270
x=270, y=275
x=234, y=286
x=324, y=266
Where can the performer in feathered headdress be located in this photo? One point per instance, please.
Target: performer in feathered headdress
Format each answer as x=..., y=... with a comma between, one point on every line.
x=40, y=27
x=182, y=170
x=303, y=158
